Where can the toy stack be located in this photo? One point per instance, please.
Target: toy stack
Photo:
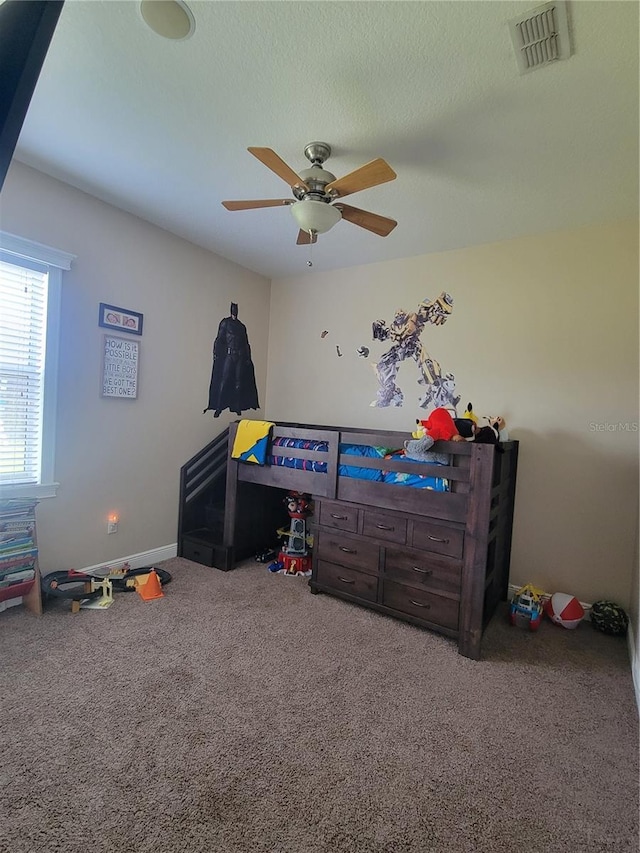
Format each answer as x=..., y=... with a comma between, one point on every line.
x=294, y=557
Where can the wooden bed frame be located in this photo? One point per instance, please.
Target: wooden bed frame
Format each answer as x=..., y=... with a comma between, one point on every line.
x=395, y=529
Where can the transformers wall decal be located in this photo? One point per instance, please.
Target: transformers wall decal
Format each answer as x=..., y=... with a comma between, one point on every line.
x=404, y=333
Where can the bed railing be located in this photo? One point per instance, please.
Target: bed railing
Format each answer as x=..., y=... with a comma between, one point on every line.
x=449, y=505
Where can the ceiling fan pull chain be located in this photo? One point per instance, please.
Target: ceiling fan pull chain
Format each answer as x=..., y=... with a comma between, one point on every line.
x=310, y=261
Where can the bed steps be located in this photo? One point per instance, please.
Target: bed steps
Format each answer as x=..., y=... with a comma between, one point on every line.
x=202, y=506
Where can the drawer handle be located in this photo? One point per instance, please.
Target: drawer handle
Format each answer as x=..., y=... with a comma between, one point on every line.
x=339, y=517
x=427, y=572
x=420, y=604
x=384, y=527
x=348, y=550
x=345, y=580
x=435, y=539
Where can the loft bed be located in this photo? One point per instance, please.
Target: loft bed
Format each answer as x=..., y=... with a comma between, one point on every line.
x=427, y=543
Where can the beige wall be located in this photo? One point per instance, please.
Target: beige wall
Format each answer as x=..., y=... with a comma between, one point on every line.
x=545, y=331
x=123, y=455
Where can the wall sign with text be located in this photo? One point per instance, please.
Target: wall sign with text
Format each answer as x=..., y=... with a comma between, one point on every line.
x=120, y=360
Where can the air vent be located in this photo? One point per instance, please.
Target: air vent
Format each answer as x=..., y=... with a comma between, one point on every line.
x=541, y=36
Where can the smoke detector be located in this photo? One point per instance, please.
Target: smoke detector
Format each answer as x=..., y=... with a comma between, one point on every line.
x=541, y=36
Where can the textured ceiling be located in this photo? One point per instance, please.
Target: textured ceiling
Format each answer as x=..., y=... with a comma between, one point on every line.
x=160, y=128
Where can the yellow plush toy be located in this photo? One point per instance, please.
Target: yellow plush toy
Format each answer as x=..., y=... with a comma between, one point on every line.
x=420, y=431
x=470, y=414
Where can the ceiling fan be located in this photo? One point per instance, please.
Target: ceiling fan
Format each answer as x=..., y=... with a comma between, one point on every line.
x=317, y=205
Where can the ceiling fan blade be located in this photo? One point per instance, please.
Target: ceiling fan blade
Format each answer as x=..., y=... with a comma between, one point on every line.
x=373, y=173
x=277, y=165
x=380, y=225
x=261, y=202
x=304, y=238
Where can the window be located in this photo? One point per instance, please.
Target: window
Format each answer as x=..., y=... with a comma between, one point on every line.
x=30, y=284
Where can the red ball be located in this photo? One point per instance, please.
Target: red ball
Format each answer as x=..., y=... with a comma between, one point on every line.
x=564, y=610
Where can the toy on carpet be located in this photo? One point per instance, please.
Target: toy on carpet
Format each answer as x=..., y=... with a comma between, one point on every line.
x=124, y=579
x=72, y=585
x=564, y=609
x=105, y=588
x=294, y=558
x=95, y=592
x=148, y=586
x=609, y=617
x=266, y=555
x=526, y=607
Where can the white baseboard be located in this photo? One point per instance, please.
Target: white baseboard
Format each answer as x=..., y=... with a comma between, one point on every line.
x=135, y=561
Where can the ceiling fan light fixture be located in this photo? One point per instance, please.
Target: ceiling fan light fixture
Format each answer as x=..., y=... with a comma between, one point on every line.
x=171, y=19
x=317, y=216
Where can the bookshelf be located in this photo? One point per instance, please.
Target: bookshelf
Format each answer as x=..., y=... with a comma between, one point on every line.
x=19, y=572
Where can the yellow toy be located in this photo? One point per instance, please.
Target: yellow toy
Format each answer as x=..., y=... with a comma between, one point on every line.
x=470, y=414
x=526, y=607
x=420, y=431
x=105, y=600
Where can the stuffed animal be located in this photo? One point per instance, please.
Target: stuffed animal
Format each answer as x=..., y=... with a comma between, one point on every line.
x=469, y=414
x=439, y=426
x=496, y=422
x=485, y=435
x=420, y=431
x=419, y=449
x=470, y=429
x=466, y=428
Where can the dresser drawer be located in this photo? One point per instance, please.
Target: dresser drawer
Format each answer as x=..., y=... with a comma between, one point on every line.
x=421, y=604
x=347, y=551
x=420, y=569
x=340, y=516
x=437, y=538
x=347, y=580
x=383, y=526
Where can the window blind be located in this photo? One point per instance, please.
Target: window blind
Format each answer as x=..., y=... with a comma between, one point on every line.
x=23, y=322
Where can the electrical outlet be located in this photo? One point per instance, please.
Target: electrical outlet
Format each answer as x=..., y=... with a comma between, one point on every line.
x=112, y=526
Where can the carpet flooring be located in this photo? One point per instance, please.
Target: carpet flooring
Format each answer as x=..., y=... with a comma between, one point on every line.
x=241, y=714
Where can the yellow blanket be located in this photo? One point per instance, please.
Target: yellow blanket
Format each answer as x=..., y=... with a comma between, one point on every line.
x=251, y=443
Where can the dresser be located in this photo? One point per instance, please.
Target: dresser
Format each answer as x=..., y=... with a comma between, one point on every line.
x=408, y=566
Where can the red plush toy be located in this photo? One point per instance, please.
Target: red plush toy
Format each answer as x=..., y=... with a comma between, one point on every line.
x=440, y=426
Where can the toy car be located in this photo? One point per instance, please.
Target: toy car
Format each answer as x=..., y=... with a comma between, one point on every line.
x=266, y=555
x=526, y=607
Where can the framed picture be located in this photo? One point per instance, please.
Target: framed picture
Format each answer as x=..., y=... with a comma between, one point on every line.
x=121, y=319
x=120, y=362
